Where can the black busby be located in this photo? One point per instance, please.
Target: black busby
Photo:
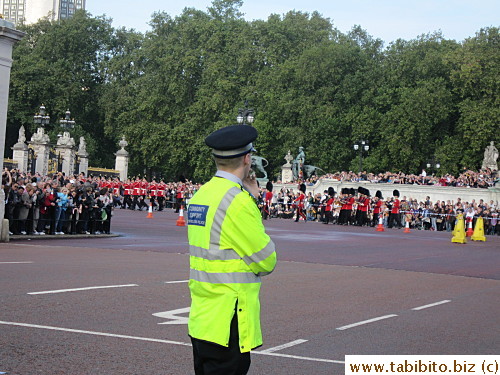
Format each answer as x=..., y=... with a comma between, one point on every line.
x=361, y=190
x=269, y=186
x=331, y=191
x=367, y=192
x=378, y=194
x=302, y=188
x=344, y=191
x=352, y=191
x=395, y=193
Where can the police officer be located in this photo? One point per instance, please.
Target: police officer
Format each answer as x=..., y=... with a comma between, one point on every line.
x=229, y=252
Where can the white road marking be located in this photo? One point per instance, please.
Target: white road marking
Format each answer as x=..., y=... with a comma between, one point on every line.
x=80, y=289
x=176, y=282
x=299, y=357
x=95, y=333
x=366, y=322
x=431, y=305
x=155, y=340
x=284, y=346
x=172, y=315
x=16, y=262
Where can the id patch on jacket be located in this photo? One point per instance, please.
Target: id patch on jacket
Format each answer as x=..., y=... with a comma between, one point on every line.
x=197, y=214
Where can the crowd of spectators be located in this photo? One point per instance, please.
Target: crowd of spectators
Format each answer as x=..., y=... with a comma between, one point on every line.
x=55, y=205
x=60, y=204
x=482, y=179
x=420, y=215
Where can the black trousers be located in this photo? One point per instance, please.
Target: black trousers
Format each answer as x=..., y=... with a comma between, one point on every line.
x=213, y=359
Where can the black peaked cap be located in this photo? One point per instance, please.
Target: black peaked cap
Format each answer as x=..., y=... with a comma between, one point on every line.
x=232, y=137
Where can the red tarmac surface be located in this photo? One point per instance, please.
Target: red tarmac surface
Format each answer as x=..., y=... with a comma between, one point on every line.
x=329, y=281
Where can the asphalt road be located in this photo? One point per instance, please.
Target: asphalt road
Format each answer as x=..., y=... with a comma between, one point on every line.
x=119, y=305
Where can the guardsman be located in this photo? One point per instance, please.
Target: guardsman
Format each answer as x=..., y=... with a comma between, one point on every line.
x=377, y=207
x=153, y=192
x=299, y=202
x=127, y=191
x=329, y=206
x=136, y=192
x=160, y=193
x=179, y=196
x=268, y=198
x=394, y=215
x=229, y=253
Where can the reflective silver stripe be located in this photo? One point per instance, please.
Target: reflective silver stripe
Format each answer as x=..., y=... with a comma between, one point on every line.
x=259, y=256
x=224, y=278
x=213, y=253
x=220, y=215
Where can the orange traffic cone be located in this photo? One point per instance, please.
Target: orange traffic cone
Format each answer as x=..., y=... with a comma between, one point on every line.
x=180, y=221
x=470, y=231
x=407, y=227
x=380, y=226
x=150, y=211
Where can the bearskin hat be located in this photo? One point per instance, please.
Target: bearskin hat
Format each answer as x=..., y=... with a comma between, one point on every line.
x=331, y=191
x=378, y=194
x=302, y=188
x=269, y=186
x=367, y=192
x=395, y=193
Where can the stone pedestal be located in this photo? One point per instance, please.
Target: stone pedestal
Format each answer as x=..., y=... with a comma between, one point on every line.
x=66, y=150
x=68, y=159
x=20, y=155
x=40, y=143
x=83, y=157
x=121, y=162
x=8, y=37
x=286, y=174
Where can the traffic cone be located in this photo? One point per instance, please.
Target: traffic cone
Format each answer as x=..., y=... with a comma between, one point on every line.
x=478, y=234
x=180, y=221
x=459, y=232
x=470, y=231
x=407, y=227
x=380, y=226
x=150, y=211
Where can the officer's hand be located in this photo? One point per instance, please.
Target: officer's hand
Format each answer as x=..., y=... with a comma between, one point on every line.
x=250, y=184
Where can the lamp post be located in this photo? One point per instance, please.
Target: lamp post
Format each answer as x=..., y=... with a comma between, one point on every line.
x=360, y=146
x=41, y=118
x=433, y=165
x=67, y=122
x=245, y=115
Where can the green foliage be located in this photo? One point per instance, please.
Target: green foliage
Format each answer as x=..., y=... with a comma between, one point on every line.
x=309, y=84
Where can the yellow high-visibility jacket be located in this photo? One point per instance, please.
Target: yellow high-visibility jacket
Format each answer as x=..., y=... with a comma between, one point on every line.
x=229, y=252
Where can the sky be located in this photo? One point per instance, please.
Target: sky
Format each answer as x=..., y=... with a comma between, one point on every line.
x=385, y=19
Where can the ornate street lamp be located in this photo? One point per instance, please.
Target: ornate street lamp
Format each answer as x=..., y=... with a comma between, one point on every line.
x=41, y=118
x=361, y=146
x=245, y=115
x=433, y=164
x=67, y=122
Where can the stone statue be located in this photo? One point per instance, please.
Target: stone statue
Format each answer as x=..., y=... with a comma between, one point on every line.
x=66, y=140
x=297, y=164
x=40, y=136
x=82, y=147
x=490, y=157
x=22, y=135
x=258, y=165
x=288, y=159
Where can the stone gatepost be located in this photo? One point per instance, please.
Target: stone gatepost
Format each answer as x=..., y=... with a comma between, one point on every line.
x=40, y=142
x=286, y=169
x=122, y=157
x=8, y=37
x=21, y=151
x=83, y=156
x=66, y=149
